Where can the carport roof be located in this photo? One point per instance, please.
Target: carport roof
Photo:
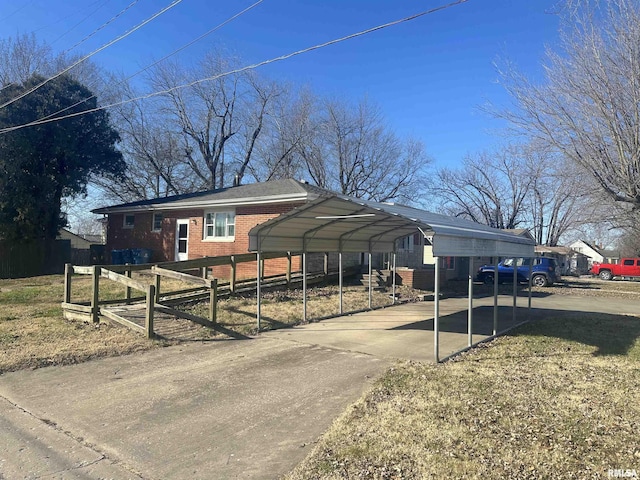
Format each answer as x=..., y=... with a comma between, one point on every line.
x=344, y=224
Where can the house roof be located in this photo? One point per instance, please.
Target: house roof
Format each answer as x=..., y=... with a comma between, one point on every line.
x=521, y=232
x=77, y=240
x=277, y=191
x=560, y=250
x=344, y=224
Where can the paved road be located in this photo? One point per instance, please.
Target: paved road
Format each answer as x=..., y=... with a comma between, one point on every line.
x=226, y=409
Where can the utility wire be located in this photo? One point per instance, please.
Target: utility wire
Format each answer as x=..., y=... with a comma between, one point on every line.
x=87, y=16
x=61, y=19
x=209, y=32
x=106, y=45
x=111, y=20
x=243, y=69
x=19, y=9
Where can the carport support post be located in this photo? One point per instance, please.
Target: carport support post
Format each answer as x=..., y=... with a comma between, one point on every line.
x=393, y=281
x=370, y=286
x=258, y=289
x=304, y=286
x=515, y=289
x=495, y=295
x=470, y=308
x=340, y=278
x=436, y=311
x=530, y=281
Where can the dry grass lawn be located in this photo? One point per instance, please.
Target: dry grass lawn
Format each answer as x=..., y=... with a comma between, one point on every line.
x=33, y=332
x=557, y=399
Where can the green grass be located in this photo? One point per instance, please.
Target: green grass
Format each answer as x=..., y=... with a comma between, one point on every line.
x=557, y=399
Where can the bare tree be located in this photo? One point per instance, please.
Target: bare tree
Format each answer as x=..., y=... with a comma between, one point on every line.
x=288, y=133
x=23, y=56
x=489, y=188
x=355, y=153
x=588, y=108
x=558, y=195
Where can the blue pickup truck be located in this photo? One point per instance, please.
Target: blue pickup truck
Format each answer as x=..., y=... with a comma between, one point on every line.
x=543, y=272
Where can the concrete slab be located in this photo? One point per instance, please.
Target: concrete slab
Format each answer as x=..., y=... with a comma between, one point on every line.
x=31, y=448
x=235, y=409
x=228, y=409
x=406, y=331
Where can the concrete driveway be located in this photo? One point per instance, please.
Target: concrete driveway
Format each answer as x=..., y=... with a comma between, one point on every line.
x=225, y=409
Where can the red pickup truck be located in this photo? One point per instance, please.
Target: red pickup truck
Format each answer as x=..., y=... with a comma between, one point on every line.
x=627, y=268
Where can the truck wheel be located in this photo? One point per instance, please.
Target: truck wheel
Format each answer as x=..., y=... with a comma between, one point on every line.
x=606, y=275
x=488, y=279
x=539, y=281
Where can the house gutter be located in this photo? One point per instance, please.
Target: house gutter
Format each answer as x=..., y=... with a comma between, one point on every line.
x=272, y=199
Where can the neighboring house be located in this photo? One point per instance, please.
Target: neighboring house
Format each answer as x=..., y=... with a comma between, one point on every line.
x=211, y=223
x=595, y=253
x=80, y=242
x=570, y=262
x=84, y=248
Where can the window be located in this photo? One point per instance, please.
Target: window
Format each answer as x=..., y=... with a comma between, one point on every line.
x=129, y=221
x=449, y=263
x=406, y=244
x=157, y=222
x=628, y=262
x=219, y=225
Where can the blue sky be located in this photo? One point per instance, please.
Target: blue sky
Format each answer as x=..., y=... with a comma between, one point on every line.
x=428, y=75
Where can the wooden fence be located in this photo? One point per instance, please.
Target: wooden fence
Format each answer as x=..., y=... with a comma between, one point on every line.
x=151, y=293
x=38, y=257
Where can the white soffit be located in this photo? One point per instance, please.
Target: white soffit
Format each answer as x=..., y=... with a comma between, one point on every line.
x=345, y=224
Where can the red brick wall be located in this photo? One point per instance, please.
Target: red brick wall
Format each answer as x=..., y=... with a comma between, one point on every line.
x=163, y=243
x=422, y=279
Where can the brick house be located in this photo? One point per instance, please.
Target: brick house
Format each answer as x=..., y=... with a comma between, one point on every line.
x=211, y=223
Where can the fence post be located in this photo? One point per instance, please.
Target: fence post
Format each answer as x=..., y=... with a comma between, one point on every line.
x=232, y=281
x=157, y=288
x=128, y=289
x=148, y=319
x=68, y=271
x=288, y=269
x=213, y=300
x=95, y=285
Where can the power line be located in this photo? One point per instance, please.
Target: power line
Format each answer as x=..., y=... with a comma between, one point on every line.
x=19, y=9
x=87, y=16
x=111, y=20
x=61, y=19
x=197, y=39
x=243, y=69
x=106, y=45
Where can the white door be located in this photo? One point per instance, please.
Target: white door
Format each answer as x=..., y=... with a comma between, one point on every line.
x=182, y=239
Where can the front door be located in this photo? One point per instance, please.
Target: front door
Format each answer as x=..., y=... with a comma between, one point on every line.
x=182, y=239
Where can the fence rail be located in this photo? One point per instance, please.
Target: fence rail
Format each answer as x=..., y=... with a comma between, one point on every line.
x=156, y=300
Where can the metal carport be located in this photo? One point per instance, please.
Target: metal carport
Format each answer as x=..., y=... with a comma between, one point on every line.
x=343, y=224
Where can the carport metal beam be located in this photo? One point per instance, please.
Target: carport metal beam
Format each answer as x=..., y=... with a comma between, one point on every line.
x=436, y=311
x=470, y=308
x=495, y=295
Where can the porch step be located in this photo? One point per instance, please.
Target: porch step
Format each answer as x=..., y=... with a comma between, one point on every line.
x=379, y=279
